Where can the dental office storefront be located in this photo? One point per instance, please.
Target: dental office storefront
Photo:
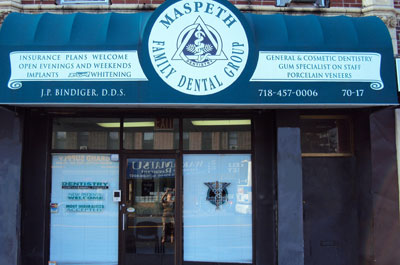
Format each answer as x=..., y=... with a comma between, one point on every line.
x=196, y=134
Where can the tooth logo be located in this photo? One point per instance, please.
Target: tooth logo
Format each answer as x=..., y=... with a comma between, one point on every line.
x=217, y=193
x=200, y=45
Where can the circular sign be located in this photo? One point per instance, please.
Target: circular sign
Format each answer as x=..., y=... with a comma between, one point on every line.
x=198, y=47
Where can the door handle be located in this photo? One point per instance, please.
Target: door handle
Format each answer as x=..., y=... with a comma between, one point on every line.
x=123, y=221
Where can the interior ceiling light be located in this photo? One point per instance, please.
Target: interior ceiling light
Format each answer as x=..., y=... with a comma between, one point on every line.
x=134, y=124
x=221, y=122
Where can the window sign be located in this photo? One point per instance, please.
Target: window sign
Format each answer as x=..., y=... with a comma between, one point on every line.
x=217, y=211
x=151, y=168
x=84, y=217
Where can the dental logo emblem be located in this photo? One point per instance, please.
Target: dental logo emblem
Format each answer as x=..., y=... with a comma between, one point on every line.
x=217, y=193
x=199, y=45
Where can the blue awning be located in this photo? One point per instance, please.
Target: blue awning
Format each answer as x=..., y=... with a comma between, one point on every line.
x=284, y=35
x=316, y=33
x=272, y=32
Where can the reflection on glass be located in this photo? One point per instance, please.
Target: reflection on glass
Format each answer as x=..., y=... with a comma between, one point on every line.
x=150, y=211
x=85, y=134
x=168, y=222
x=217, y=208
x=151, y=134
x=216, y=134
x=330, y=135
x=84, y=217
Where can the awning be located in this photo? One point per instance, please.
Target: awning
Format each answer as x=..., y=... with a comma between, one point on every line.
x=77, y=31
x=111, y=59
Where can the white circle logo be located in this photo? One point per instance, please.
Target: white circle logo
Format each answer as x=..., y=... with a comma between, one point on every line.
x=198, y=47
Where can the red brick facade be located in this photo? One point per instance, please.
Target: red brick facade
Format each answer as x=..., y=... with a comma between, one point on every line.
x=397, y=6
x=398, y=37
x=333, y=3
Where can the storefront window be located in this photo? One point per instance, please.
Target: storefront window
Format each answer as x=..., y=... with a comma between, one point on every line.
x=326, y=136
x=151, y=134
x=216, y=134
x=217, y=212
x=83, y=214
x=86, y=134
x=217, y=192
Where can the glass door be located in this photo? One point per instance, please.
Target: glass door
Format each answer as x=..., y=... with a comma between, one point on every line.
x=148, y=211
x=83, y=212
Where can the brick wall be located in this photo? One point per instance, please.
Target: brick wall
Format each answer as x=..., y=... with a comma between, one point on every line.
x=398, y=37
x=397, y=6
x=334, y=3
x=270, y=3
x=3, y=16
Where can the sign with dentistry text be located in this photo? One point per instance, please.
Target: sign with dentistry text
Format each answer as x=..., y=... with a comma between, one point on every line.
x=319, y=67
x=198, y=47
x=74, y=66
x=195, y=54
